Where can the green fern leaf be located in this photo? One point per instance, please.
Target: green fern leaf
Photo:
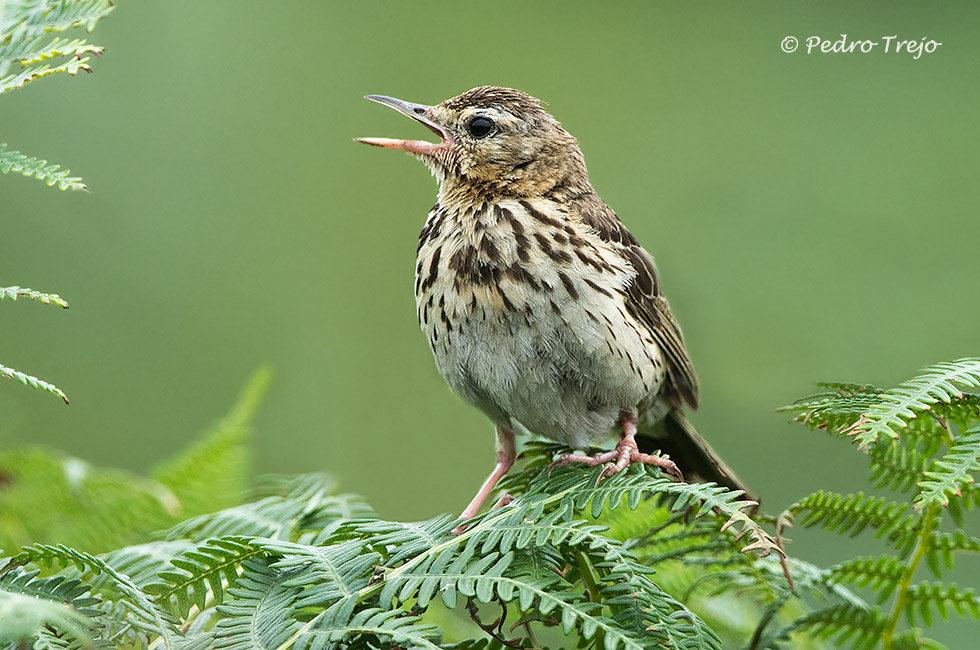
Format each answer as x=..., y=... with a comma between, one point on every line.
x=34, y=18
x=835, y=409
x=32, y=381
x=499, y=559
x=324, y=511
x=22, y=25
x=881, y=574
x=897, y=466
x=938, y=383
x=56, y=611
x=327, y=573
x=24, y=51
x=72, y=592
x=13, y=293
x=259, y=617
x=141, y=563
x=493, y=575
x=23, y=618
x=922, y=598
x=913, y=640
x=850, y=514
x=942, y=545
x=949, y=474
x=640, y=605
x=147, y=616
x=845, y=623
x=406, y=540
x=309, y=505
x=50, y=496
x=211, y=474
x=639, y=482
x=964, y=411
x=32, y=73
x=394, y=626
x=202, y=575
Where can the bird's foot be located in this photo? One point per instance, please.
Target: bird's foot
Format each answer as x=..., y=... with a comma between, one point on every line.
x=618, y=459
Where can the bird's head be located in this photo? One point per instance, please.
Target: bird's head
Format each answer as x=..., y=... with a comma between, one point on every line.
x=498, y=140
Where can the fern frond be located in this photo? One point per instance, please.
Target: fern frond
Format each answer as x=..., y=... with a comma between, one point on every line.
x=13, y=293
x=836, y=408
x=278, y=517
x=52, y=496
x=948, y=475
x=259, y=617
x=964, y=411
x=942, y=545
x=638, y=482
x=489, y=576
x=24, y=76
x=640, y=605
x=406, y=540
x=850, y=514
x=845, y=623
x=502, y=560
x=327, y=573
x=24, y=51
x=140, y=563
x=820, y=583
x=939, y=383
x=922, y=598
x=210, y=475
x=23, y=618
x=763, y=581
x=72, y=592
x=33, y=18
x=896, y=466
x=23, y=24
x=393, y=626
x=913, y=640
x=33, y=382
x=148, y=616
x=202, y=574
x=927, y=433
x=881, y=574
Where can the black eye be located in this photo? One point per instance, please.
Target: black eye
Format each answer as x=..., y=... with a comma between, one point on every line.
x=480, y=127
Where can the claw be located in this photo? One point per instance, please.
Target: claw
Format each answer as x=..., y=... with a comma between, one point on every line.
x=624, y=455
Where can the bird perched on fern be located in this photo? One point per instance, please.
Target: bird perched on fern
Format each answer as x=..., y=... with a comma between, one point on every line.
x=540, y=307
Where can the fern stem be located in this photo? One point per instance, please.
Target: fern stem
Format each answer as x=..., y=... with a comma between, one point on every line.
x=588, y=576
x=929, y=523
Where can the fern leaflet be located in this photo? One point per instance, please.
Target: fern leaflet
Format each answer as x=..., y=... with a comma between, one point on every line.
x=33, y=382
x=949, y=474
x=13, y=293
x=938, y=383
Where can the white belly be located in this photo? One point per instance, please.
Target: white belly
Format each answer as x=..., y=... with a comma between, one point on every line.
x=529, y=330
x=566, y=376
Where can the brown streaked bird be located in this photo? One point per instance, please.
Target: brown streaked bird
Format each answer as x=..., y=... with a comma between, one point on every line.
x=540, y=308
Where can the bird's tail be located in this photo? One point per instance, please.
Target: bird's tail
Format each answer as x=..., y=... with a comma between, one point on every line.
x=678, y=438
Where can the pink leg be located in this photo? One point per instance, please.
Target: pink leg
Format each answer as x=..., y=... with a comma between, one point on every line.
x=506, y=453
x=624, y=454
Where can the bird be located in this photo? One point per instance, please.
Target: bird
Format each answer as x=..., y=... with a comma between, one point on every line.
x=540, y=308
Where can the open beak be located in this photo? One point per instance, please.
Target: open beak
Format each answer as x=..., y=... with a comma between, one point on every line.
x=417, y=112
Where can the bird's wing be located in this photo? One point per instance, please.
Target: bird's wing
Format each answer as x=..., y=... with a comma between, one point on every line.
x=644, y=298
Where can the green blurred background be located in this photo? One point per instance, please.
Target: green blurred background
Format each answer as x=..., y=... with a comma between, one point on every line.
x=813, y=216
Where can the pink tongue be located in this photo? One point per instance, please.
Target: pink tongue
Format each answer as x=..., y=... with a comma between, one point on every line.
x=412, y=146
